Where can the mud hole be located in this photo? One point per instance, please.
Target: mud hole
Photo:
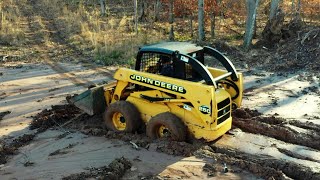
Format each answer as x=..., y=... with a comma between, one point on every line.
x=114, y=171
x=248, y=120
x=253, y=122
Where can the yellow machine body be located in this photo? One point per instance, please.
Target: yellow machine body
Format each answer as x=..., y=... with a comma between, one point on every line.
x=170, y=78
x=205, y=110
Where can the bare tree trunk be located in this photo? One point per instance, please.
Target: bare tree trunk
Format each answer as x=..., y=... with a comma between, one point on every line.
x=201, y=20
x=255, y=29
x=171, y=20
x=191, y=26
x=298, y=7
x=252, y=6
x=136, y=16
x=221, y=11
x=157, y=10
x=212, y=24
x=273, y=8
x=103, y=7
x=143, y=15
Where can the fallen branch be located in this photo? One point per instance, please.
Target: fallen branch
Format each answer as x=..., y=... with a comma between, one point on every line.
x=68, y=122
x=308, y=34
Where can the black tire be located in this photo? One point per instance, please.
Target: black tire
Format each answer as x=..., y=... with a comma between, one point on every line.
x=177, y=129
x=130, y=113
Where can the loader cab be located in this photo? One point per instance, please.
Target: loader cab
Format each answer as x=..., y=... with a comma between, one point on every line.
x=186, y=61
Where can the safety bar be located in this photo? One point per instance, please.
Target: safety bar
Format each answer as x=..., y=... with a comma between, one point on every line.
x=224, y=76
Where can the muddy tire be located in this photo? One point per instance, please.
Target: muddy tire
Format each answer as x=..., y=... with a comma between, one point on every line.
x=166, y=125
x=122, y=116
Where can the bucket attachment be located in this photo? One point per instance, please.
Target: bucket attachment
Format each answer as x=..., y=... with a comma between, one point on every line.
x=91, y=101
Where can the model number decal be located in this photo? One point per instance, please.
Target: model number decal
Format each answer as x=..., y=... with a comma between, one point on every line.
x=158, y=83
x=185, y=59
x=204, y=109
x=186, y=107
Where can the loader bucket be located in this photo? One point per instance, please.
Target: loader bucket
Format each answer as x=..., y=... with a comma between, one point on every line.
x=91, y=101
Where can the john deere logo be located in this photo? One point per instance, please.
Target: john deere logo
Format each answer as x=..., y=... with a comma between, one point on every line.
x=158, y=83
x=205, y=109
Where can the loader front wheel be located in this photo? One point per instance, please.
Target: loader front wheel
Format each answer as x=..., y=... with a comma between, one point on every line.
x=166, y=125
x=122, y=116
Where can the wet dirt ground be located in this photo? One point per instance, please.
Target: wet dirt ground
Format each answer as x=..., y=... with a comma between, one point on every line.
x=274, y=136
x=44, y=136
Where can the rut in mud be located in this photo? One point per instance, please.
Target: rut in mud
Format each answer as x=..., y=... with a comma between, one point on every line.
x=115, y=170
x=10, y=147
x=253, y=122
x=263, y=166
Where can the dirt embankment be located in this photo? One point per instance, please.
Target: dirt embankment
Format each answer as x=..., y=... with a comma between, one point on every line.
x=298, y=52
x=251, y=121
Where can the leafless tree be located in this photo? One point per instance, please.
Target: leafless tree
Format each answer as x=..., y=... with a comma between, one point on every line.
x=136, y=16
x=251, y=6
x=103, y=7
x=143, y=14
x=171, y=20
x=273, y=8
x=201, y=20
x=212, y=23
x=157, y=6
x=191, y=25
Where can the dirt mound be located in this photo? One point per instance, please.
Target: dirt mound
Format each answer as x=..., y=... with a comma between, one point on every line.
x=2, y=114
x=8, y=148
x=114, y=171
x=298, y=52
x=245, y=113
x=55, y=116
x=176, y=148
x=276, y=128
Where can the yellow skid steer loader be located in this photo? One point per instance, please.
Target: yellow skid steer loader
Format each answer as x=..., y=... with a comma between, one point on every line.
x=171, y=91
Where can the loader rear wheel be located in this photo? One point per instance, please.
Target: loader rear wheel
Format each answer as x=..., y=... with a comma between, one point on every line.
x=166, y=125
x=122, y=116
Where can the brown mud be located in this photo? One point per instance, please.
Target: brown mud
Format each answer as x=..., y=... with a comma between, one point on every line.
x=298, y=52
x=295, y=155
x=276, y=128
x=248, y=120
x=3, y=114
x=56, y=116
x=10, y=147
x=265, y=166
x=114, y=171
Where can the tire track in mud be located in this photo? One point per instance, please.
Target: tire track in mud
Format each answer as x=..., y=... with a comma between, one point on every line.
x=296, y=155
x=264, y=166
x=252, y=122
